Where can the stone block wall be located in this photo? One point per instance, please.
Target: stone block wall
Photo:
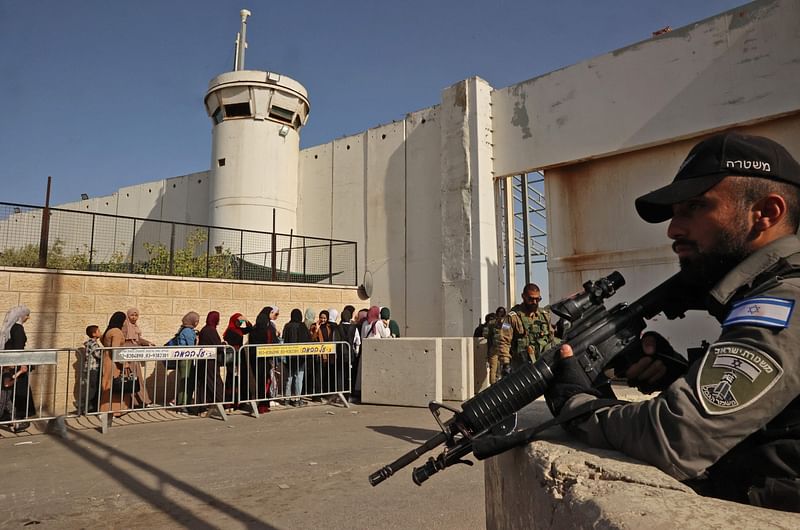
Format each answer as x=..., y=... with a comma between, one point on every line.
x=63, y=303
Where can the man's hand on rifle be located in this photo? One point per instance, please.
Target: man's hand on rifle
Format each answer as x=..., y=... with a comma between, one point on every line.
x=570, y=381
x=658, y=367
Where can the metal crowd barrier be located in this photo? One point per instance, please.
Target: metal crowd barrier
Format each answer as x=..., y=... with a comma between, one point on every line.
x=294, y=372
x=66, y=383
x=185, y=378
x=38, y=386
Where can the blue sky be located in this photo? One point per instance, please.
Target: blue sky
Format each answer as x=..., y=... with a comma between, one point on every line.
x=104, y=94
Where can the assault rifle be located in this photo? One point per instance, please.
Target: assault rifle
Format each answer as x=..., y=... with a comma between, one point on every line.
x=597, y=335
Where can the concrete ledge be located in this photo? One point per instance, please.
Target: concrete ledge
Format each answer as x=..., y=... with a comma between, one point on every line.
x=559, y=483
x=456, y=369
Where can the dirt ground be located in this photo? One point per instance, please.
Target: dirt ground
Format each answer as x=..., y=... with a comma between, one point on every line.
x=292, y=468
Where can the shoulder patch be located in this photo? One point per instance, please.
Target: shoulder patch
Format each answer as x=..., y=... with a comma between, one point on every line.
x=734, y=375
x=761, y=311
x=511, y=314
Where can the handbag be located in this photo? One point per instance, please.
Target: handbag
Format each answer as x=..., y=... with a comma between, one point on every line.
x=125, y=384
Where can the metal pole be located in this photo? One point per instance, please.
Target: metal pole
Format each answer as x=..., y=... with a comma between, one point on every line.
x=91, y=243
x=289, y=259
x=526, y=243
x=355, y=261
x=241, y=252
x=133, y=245
x=208, y=250
x=241, y=43
x=274, y=260
x=172, y=249
x=305, y=259
x=330, y=261
x=45, y=235
x=511, y=262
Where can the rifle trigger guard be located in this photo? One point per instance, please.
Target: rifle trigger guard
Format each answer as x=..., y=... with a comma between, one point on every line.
x=435, y=408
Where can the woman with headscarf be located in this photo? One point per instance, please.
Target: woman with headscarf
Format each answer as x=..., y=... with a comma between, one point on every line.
x=394, y=328
x=373, y=327
x=295, y=331
x=16, y=397
x=238, y=327
x=186, y=373
x=109, y=370
x=133, y=337
x=311, y=321
x=264, y=332
x=213, y=390
x=327, y=331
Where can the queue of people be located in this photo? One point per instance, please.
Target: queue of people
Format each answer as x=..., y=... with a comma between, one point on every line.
x=109, y=386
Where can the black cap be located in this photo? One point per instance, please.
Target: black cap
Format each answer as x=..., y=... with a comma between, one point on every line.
x=713, y=159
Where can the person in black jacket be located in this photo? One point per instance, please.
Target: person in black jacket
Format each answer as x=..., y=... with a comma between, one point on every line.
x=16, y=391
x=295, y=331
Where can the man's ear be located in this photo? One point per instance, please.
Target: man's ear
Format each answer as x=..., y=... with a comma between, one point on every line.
x=768, y=212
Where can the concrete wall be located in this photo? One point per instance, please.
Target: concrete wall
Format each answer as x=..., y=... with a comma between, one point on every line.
x=734, y=68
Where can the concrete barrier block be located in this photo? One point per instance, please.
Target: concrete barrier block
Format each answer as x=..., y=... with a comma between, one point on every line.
x=405, y=372
x=480, y=355
x=455, y=369
x=557, y=482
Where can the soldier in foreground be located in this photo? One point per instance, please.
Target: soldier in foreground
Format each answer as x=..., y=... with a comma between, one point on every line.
x=729, y=426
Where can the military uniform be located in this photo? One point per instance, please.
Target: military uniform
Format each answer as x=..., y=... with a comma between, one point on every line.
x=537, y=336
x=500, y=337
x=733, y=420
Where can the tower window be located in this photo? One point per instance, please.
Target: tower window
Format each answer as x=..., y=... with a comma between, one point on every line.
x=221, y=162
x=217, y=116
x=237, y=110
x=281, y=114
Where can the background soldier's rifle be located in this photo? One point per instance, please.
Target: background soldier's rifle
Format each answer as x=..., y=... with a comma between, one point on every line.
x=597, y=336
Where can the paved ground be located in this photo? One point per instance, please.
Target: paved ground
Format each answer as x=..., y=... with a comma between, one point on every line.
x=293, y=468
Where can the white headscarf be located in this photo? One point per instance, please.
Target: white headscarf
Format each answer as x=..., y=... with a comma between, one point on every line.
x=14, y=316
x=332, y=315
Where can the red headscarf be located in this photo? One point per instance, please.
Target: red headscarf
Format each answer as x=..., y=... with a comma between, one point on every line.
x=374, y=314
x=212, y=319
x=233, y=324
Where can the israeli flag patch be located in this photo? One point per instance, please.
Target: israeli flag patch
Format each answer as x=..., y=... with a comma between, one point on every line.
x=761, y=311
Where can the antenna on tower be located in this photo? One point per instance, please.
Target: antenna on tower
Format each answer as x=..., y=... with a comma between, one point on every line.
x=241, y=41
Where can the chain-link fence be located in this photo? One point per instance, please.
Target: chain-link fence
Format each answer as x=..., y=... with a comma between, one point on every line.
x=111, y=243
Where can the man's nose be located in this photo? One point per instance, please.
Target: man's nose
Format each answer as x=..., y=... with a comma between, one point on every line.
x=676, y=229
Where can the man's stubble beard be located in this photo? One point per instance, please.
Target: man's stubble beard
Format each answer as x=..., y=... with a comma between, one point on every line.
x=705, y=269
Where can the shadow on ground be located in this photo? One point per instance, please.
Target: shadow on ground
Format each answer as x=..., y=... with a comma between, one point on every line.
x=409, y=434
x=104, y=456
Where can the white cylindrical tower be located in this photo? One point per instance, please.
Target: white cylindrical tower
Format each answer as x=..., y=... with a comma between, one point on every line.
x=255, y=146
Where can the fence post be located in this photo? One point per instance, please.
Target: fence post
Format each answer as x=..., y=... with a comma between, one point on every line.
x=241, y=252
x=45, y=234
x=172, y=249
x=208, y=250
x=133, y=245
x=305, y=258
x=274, y=260
x=330, y=261
x=91, y=243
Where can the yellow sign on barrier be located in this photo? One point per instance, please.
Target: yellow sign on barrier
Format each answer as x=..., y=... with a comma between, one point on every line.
x=294, y=349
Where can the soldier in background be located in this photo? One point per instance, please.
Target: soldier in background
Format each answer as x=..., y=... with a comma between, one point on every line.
x=537, y=333
x=499, y=334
